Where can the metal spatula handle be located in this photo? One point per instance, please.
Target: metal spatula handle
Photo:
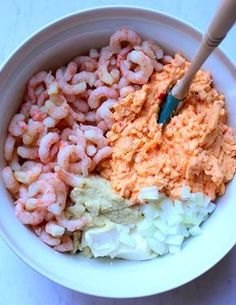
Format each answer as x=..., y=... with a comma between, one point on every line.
x=220, y=25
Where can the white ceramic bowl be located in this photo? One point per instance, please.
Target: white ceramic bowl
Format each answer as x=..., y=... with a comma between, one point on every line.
x=55, y=45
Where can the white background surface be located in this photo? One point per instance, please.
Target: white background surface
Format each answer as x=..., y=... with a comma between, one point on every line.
x=21, y=285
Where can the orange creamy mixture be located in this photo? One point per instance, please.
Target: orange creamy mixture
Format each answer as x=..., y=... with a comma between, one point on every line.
x=196, y=148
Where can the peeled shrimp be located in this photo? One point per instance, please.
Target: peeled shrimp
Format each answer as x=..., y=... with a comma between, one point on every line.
x=29, y=218
x=69, y=178
x=9, y=147
x=72, y=224
x=84, y=76
x=103, y=64
x=54, y=229
x=35, y=130
x=17, y=125
x=81, y=105
x=103, y=153
x=70, y=71
x=37, y=114
x=60, y=190
x=96, y=138
x=10, y=181
x=57, y=112
x=86, y=63
x=145, y=70
x=126, y=91
x=121, y=36
x=66, y=87
x=152, y=50
x=104, y=112
x=48, y=239
x=45, y=146
x=33, y=83
x=29, y=172
x=94, y=53
x=14, y=162
x=91, y=150
x=27, y=152
x=96, y=96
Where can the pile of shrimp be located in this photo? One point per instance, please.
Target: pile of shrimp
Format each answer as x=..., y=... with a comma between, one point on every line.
x=59, y=135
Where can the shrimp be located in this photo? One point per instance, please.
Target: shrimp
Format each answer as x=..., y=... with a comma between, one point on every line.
x=33, y=83
x=121, y=36
x=103, y=64
x=65, y=154
x=45, y=146
x=90, y=116
x=91, y=127
x=57, y=112
x=29, y=218
x=41, y=194
x=66, y=133
x=9, y=147
x=69, y=178
x=67, y=88
x=104, y=112
x=91, y=150
x=49, y=122
x=49, y=239
x=70, y=71
x=94, y=53
x=65, y=245
x=123, y=83
x=81, y=105
x=145, y=70
x=101, y=154
x=166, y=59
x=54, y=229
x=152, y=50
x=25, y=109
x=84, y=76
x=96, y=96
x=14, y=162
x=36, y=129
x=10, y=181
x=27, y=152
x=72, y=224
x=60, y=189
x=37, y=114
x=17, y=125
x=81, y=146
x=86, y=63
x=126, y=91
x=29, y=172
x=96, y=138
x=102, y=126
x=77, y=116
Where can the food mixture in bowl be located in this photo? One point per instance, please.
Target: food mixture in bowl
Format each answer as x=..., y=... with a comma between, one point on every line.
x=92, y=172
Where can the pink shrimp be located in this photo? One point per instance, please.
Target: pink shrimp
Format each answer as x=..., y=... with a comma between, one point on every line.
x=77, y=115
x=33, y=83
x=166, y=59
x=86, y=63
x=84, y=76
x=104, y=111
x=102, y=126
x=96, y=138
x=49, y=122
x=45, y=146
x=126, y=91
x=90, y=116
x=65, y=245
x=65, y=154
x=94, y=53
x=70, y=71
x=27, y=152
x=152, y=50
x=72, y=224
x=103, y=64
x=60, y=189
x=49, y=239
x=37, y=114
x=41, y=195
x=57, y=112
x=66, y=133
x=91, y=127
x=69, y=178
x=123, y=83
x=67, y=88
x=14, y=162
x=25, y=109
x=81, y=105
x=96, y=96
x=29, y=172
x=17, y=125
x=35, y=131
x=10, y=181
x=29, y=218
x=91, y=150
x=9, y=147
x=121, y=36
x=54, y=229
x=102, y=154
x=145, y=70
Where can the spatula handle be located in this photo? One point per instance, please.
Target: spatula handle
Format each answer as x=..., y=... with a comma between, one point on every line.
x=223, y=20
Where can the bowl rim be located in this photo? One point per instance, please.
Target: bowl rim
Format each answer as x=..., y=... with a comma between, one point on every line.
x=27, y=41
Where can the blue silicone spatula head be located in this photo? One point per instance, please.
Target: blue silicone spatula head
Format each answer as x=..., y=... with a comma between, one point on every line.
x=168, y=109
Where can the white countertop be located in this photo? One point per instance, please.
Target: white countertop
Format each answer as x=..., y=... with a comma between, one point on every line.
x=19, y=284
